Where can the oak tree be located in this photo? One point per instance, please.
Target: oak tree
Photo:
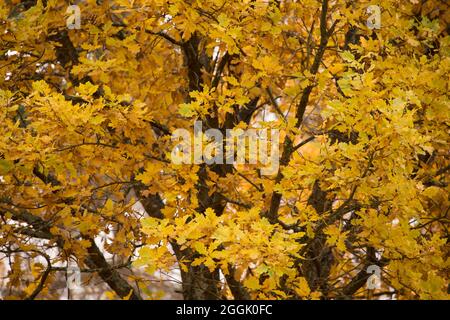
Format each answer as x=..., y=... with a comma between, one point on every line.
x=86, y=118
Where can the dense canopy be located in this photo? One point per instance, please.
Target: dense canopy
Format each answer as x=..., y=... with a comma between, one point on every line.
x=87, y=180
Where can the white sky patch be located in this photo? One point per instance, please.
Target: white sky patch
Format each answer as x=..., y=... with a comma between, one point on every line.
x=11, y=53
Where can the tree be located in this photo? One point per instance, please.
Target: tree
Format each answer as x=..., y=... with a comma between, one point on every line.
x=87, y=117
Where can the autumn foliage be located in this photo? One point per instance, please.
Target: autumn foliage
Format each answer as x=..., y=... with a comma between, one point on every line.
x=86, y=177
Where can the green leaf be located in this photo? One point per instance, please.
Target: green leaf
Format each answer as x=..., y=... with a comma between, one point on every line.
x=5, y=166
x=186, y=110
x=347, y=56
